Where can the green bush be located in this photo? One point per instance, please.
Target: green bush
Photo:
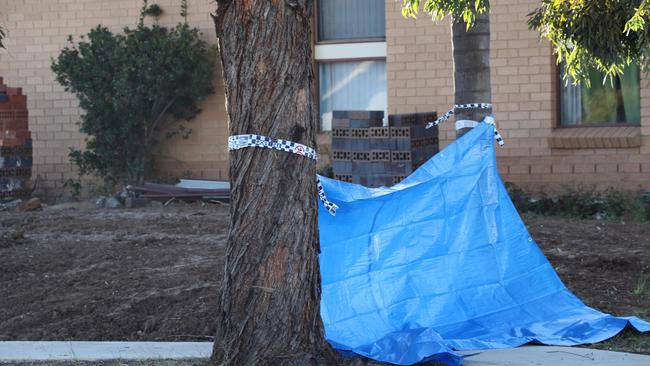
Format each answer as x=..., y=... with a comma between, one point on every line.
x=583, y=203
x=135, y=88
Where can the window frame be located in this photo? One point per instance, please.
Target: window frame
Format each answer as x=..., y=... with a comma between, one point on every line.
x=557, y=101
x=366, y=51
x=357, y=42
x=315, y=40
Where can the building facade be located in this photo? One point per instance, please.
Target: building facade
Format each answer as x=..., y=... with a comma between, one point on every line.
x=368, y=57
x=549, y=142
x=38, y=30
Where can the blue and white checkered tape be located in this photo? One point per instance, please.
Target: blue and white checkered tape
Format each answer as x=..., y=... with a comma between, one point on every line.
x=237, y=142
x=451, y=112
x=240, y=141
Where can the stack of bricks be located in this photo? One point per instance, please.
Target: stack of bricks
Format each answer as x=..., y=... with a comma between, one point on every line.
x=367, y=153
x=15, y=144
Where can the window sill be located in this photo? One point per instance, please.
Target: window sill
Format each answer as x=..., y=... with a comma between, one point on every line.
x=352, y=40
x=350, y=51
x=595, y=137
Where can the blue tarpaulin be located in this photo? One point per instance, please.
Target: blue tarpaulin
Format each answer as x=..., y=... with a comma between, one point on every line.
x=443, y=262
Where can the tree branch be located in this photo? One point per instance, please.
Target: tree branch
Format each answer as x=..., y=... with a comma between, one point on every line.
x=158, y=120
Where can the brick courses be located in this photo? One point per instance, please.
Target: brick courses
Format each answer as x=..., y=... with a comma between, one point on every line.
x=419, y=73
x=38, y=29
x=524, y=94
x=365, y=152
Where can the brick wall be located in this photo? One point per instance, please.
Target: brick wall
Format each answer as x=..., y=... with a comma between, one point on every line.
x=38, y=29
x=419, y=67
x=420, y=78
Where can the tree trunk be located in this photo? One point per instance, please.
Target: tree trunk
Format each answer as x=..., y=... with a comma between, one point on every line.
x=471, y=67
x=269, y=310
x=620, y=102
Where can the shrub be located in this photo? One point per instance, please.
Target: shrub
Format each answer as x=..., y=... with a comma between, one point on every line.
x=583, y=203
x=133, y=87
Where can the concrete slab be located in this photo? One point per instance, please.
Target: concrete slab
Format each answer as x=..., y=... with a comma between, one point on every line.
x=92, y=351
x=553, y=356
x=95, y=351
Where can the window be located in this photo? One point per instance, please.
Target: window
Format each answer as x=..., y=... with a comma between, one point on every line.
x=351, y=56
x=351, y=19
x=345, y=86
x=613, y=102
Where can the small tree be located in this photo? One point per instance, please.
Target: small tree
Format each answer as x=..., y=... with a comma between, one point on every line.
x=605, y=35
x=133, y=87
x=470, y=30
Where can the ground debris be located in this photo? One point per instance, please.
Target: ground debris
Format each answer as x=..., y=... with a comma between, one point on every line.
x=12, y=238
x=107, y=202
x=32, y=204
x=10, y=204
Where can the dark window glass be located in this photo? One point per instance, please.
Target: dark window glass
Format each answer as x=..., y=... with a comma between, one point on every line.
x=617, y=101
x=351, y=19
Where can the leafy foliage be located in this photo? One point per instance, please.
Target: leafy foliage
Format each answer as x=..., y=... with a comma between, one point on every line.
x=605, y=35
x=637, y=22
x=438, y=9
x=74, y=186
x=184, y=9
x=584, y=203
x=153, y=10
x=132, y=87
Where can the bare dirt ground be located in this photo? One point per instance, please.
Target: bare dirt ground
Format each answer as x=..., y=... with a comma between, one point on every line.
x=73, y=272
x=91, y=274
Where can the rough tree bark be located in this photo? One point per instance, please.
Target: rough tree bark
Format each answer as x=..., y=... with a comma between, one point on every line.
x=471, y=67
x=268, y=313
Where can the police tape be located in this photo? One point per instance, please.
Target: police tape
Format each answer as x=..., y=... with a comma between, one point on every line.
x=237, y=142
x=489, y=119
x=497, y=136
x=452, y=111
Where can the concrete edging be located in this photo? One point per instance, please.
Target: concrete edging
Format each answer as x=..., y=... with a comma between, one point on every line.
x=95, y=351
x=102, y=351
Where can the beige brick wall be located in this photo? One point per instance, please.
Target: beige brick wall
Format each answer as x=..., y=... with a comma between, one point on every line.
x=38, y=29
x=420, y=78
x=419, y=67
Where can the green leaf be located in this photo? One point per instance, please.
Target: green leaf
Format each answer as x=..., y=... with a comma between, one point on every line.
x=439, y=9
x=602, y=35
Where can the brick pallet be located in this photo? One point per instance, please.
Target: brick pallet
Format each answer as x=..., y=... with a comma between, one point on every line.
x=15, y=144
x=367, y=153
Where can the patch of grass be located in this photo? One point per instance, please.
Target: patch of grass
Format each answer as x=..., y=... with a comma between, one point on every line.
x=641, y=287
x=627, y=341
x=183, y=362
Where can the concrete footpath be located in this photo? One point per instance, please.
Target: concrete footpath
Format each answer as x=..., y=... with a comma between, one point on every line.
x=95, y=351
x=553, y=356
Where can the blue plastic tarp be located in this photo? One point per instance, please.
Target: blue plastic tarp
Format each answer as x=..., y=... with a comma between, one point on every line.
x=443, y=262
